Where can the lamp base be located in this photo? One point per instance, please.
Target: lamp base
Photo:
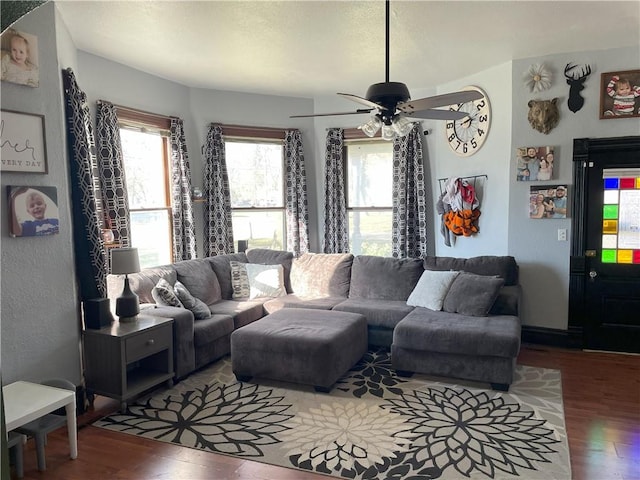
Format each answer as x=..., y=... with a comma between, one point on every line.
x=128, y=319
x=127, y=305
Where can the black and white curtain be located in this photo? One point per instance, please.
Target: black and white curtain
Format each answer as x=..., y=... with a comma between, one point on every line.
x=218, y=230
x=296, y=203
x=112, y=173
x=409, y=226
x=86, y=197
x=184, y=234
x=336, y=223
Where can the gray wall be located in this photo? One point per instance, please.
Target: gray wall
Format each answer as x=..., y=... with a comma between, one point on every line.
x=40, y=315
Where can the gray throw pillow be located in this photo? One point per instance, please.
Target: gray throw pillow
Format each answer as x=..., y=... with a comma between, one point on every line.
x=239, y=280
x=164, y=295
x=197, y=306
x=472, y=294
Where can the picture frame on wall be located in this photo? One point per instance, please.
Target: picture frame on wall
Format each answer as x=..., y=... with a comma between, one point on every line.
x=22, y=137
x=535, y=163
x=620, y=94
x=33, y=211
x=19, y=58
x=548, y=201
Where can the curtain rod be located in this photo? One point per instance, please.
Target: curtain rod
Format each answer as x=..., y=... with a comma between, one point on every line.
x=137, y=110
x=245, y=127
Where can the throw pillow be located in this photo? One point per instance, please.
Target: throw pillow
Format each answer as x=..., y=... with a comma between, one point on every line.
x=239, y=280
x=472, y=294
x=265, y=280
x=163, y=294
x=431, y=289
x=197, y=306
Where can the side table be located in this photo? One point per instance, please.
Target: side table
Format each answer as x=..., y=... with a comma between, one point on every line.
x=125, y=359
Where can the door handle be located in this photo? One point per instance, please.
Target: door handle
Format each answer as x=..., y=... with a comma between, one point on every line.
x=593, y=274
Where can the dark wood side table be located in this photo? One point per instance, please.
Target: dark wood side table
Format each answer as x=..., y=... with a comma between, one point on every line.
x=123, y=360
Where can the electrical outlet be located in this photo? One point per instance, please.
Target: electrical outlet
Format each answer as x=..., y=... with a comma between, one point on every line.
x=562, y=234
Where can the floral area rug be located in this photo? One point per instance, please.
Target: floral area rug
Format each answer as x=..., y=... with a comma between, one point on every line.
x=373, y=424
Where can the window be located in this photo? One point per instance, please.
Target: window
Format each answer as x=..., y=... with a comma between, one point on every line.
x=369, y=196
x=146, y=164
x=256, y=180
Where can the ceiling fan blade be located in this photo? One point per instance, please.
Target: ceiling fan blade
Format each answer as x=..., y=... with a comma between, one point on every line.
x=361, y=100
x=463, y=96
x=359, y=111
x=437, y=114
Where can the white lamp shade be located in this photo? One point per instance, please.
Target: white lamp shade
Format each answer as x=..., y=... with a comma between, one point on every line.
x=387, y=132
x=371, y=127
x=402, y=126
x=124, y=260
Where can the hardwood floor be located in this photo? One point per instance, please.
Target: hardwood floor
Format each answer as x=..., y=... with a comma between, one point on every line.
x=602, y=410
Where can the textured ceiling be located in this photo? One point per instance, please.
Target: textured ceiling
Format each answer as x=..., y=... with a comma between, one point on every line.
x=308, y=48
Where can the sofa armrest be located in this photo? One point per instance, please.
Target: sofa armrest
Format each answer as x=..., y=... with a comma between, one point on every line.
x=184, y=357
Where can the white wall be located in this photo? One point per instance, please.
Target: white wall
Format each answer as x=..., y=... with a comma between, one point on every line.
x=544, y=261
x=40, y=312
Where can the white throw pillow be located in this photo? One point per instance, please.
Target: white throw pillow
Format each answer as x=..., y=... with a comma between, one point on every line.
x=265, y=280
x=431, y=289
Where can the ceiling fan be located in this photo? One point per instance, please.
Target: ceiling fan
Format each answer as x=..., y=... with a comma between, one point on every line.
x=392, y=103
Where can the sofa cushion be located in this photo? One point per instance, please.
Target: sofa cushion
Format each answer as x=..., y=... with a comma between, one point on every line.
x=242, y=312
x=503, y=266
x=295, y=301
x=239, y=280
x=220, y=265
x=472, y=294
x=431, y=289
x=379, y=313
x=384, y=278
x=197, y=306
x=272, y=257
x=321, y=274
x=445, y=332
x=265, y=280
x=164, y=295
x=199, y=278
x=508, y=301
x=210, y=329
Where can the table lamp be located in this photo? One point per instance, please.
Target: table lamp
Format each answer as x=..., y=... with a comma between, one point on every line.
x=125, y=261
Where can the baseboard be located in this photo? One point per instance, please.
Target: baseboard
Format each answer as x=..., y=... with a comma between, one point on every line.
x=547, y=336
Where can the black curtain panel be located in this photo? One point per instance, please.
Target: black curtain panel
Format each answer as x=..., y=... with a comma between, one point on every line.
x=336, y=223
x=86, y=197
x=296, y=205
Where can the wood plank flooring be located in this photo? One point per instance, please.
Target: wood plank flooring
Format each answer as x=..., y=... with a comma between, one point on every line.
x=602, y=410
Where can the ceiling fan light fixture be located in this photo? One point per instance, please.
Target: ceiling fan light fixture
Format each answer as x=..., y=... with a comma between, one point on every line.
x=371, y=127
x=402, y=126
x=388, y=133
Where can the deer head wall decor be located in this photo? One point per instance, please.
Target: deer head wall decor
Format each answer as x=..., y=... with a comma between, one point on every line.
x=576, y=85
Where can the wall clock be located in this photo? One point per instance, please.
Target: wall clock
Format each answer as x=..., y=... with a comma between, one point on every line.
x=466, y=136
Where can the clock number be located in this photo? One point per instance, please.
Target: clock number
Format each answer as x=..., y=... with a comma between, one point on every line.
x=464, y=147
x=480, y=132
x=451, y=137
x=474, y=144
x=459, y=143
x=483, y=118
x=481, y=104
x=449, y=125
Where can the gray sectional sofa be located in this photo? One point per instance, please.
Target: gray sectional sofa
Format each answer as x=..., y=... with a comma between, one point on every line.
x=480, y=347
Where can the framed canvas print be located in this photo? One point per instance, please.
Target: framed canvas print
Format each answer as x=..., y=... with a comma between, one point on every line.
x=33, y=211
x=548, y=201
x=23, y=143
x=19, y=62
x=620, y=94
x=534, y=163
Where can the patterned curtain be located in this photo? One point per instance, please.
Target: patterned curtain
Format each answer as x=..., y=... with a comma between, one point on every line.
x=218, y=231
x=336, y=234
x=184, y=233
x=86, y=197
x=409, y=228
x=112, y=174
x=297, y=208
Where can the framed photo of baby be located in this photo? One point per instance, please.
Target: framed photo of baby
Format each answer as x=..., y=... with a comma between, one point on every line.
x=534, y=163
x=19, y=62
x=620, y=94
x=33, y=211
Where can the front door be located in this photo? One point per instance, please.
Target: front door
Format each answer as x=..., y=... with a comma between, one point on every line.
x=605, y=263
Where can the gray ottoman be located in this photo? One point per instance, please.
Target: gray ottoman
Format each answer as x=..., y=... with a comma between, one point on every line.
x=300, y=345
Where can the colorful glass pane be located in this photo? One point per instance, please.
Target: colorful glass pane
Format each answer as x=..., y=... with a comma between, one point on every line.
x=609, y=241
x=608, y=256
x=611, y=183
x=638, y=182
x=611, y=197
x=636, y=256
x=610, y=211
x=627, y=182
x=610, y=226
x=625, y=256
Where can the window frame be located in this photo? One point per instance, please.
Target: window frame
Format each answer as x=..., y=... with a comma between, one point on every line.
x=145, y=122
